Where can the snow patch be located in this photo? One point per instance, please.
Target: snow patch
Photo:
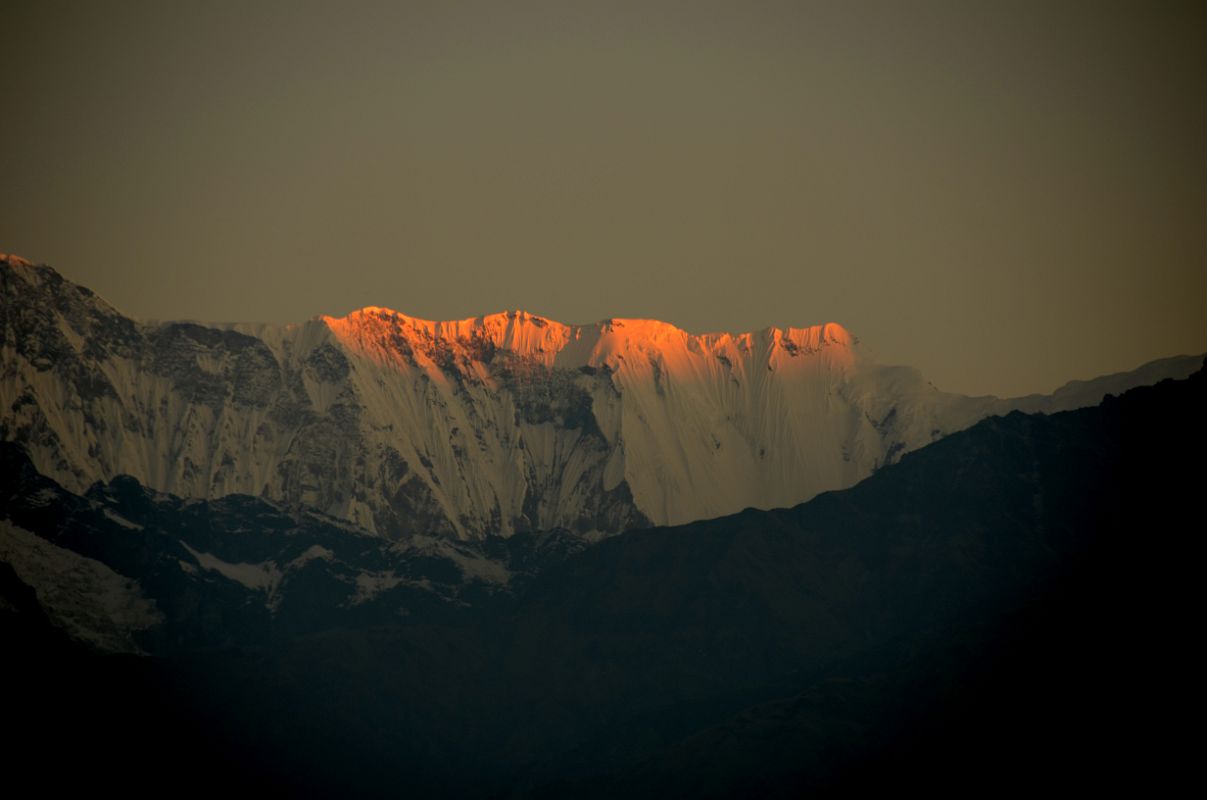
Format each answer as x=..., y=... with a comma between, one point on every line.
x=314, y=552
x=81, y=596
x=264, y=576
x=42, y=498
x=473, y=567
x=371, y=584
x=120, y=520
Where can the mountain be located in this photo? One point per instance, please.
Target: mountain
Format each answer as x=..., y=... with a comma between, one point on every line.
x=1010, y=606
x=487, y=426
x=123, y=568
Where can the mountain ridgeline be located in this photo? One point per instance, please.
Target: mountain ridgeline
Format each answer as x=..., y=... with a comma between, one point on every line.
x=1010, y=606
x=490, y=426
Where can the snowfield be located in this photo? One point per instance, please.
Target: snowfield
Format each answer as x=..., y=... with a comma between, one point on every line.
x=484, y=426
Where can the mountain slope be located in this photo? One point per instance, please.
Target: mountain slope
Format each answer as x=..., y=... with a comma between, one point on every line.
x=1014, y=603
x=492, y=425
x=126, y=569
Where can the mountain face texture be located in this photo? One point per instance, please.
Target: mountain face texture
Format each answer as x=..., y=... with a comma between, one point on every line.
x=125, y=569
x=487, y=426
x=1012, y=606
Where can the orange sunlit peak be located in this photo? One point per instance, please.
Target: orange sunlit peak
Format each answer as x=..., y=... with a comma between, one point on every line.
x=376, y=331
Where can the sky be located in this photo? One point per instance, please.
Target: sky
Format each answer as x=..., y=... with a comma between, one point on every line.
x=1005, y=195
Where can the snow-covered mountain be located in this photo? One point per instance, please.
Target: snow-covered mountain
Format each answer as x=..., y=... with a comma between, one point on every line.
x=490, y=425
x=125, y=569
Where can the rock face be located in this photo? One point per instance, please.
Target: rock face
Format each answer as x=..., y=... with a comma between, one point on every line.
x=1030, y=579
x=486, y=426
x=125, y=569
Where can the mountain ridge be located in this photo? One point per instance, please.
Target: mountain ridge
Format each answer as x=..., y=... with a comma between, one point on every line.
x=493, y=425
x=527, y=334
x=1009, y=604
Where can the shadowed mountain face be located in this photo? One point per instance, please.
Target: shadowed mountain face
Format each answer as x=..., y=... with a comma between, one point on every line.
x=1010, y=606
x=235, y=571
x=491, y=426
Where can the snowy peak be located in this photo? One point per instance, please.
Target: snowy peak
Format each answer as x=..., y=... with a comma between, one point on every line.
x=815, y=337
x=390, y=337
x=9, y=260
x=490, y=425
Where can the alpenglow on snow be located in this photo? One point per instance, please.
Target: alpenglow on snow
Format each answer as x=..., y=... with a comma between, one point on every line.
x=484, y=426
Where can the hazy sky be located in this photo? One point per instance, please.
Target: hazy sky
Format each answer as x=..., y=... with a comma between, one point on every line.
x=1006, y=195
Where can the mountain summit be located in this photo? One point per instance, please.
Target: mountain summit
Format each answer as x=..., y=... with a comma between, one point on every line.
x=485, y=426
x=388, y=335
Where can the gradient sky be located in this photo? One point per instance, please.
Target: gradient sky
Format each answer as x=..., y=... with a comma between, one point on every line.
x=1005, y=195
